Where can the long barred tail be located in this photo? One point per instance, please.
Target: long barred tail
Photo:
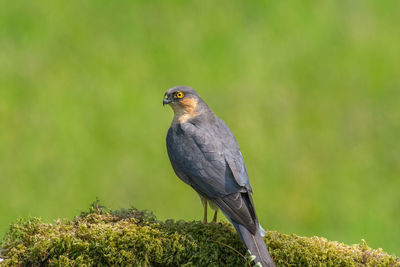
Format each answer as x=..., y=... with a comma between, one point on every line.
x=255, y=244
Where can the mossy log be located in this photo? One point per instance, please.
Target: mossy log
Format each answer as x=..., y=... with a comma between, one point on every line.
x=131, y=237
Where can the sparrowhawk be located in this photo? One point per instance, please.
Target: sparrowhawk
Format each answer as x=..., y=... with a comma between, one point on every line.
x=205, y=155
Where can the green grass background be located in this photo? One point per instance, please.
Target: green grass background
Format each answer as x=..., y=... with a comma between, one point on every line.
x=310, y=89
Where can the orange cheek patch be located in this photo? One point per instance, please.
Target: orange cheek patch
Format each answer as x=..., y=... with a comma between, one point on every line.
x=185, y=110
x=189, y=103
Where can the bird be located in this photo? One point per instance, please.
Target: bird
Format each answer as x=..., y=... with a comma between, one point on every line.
x=205, y=155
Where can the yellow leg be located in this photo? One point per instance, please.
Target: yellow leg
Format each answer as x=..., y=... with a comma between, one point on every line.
x=205, y=211
x=215, y=216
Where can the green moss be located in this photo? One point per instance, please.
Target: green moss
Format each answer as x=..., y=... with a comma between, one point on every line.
x=132, y=237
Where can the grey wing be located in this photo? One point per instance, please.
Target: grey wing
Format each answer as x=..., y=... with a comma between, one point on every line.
x=198, y=160
x=207, y=163
x=233, y=155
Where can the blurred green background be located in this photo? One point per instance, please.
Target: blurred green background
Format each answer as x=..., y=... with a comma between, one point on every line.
x=310, y=89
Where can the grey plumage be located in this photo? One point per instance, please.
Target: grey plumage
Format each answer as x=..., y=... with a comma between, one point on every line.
x=205, y=155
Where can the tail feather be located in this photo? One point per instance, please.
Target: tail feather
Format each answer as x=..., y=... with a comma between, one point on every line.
x=255, y=244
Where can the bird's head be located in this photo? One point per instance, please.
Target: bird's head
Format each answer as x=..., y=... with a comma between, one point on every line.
x=184, y=101
x=180, y=95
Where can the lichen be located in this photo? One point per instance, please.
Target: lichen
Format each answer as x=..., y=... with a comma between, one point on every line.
x=131, y=237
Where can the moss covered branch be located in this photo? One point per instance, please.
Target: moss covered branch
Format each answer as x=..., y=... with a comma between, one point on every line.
x=132, y=237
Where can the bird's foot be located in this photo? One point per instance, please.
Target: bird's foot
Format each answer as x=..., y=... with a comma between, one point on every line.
x=214, y=220
x=205, y=211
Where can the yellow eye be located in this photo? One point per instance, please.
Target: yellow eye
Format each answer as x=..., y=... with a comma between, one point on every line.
x=179, y=95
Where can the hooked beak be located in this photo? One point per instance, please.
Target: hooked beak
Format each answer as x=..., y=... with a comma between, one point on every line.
x=166, y=100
